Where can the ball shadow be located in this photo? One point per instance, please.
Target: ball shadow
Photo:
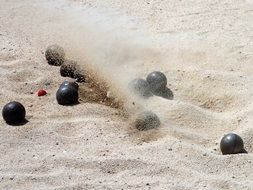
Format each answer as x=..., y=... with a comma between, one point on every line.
x=74, y=104
x=16, y=124
x=244, y=151
x=166, y=93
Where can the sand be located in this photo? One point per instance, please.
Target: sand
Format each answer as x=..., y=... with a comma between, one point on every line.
x=205, y=49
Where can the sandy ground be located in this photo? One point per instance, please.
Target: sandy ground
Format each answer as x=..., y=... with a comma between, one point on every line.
x=203, y=46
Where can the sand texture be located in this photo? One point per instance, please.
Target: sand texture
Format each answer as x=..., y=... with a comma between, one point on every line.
x=203, y=46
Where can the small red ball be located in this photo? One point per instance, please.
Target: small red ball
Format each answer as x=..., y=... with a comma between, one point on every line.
x=42, y=92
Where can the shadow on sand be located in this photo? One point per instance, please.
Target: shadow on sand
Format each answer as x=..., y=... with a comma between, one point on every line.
x=166, y=93
x=16, y=124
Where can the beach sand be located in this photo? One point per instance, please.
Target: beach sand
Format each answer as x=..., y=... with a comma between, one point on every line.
x=205, y=49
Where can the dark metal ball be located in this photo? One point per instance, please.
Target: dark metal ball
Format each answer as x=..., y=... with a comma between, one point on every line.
x=147, y=120
x=72, y=84
x=67, y=95
x=13, y=112
x=157, y=81
x=140, y=87
x=55, y=55
x=231, y=144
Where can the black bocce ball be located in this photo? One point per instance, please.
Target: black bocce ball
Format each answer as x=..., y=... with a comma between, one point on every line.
x=147, y=120
x=55, y=55
x=68, y=83
x=13, y=112
x=67, y=95
x=231, y=144
x=157, y=81
x=140, y=87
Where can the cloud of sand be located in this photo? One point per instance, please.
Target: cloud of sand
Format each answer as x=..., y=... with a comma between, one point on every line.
x=108, y=44
x=113, y=46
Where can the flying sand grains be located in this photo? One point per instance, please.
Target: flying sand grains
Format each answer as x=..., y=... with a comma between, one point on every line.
x=140, y=87
x=147, y=120
x=55, y=55
x=70, y=69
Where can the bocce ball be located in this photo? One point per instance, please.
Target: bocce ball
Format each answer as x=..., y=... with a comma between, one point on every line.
x=231, y=144
x=67, y=95
x=13, y=112
x=157, y=81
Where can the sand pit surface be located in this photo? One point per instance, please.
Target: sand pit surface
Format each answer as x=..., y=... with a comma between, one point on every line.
x=203, y=46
